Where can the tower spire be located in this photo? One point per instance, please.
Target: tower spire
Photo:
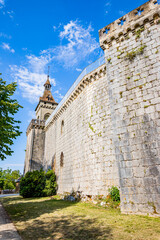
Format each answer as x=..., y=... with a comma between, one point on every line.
x=47, y=84
x=48, y=71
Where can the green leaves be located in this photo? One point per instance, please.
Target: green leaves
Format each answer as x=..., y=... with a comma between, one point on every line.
x=38, y=184
x=8, y=177
x=9, y=129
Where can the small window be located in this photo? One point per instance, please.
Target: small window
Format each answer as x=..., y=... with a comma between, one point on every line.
x=62, y=126
x=46, y=116
x=61, y=159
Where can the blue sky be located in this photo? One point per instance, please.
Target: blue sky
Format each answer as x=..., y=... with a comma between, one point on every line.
x=62, y=34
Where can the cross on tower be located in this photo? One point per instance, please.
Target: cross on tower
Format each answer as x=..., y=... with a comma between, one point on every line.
x=139, y=12
x=107, y=30
x=157, y=2
x=122, y=21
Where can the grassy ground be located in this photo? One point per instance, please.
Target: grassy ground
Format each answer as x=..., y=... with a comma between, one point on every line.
x=47, y=218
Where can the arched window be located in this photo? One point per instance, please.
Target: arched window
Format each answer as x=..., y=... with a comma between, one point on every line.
x=62, y=126
x=61, y=159
x=46, y=116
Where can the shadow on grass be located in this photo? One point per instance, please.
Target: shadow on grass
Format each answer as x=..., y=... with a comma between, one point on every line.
x=39, y=219
x=21, y=209
x=67, y=228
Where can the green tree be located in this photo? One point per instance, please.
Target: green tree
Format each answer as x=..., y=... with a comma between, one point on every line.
x=9, y=128
x=38, y=184
x=8, y=177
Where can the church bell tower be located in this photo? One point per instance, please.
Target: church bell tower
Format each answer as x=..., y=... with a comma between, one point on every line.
x=35, y=131
x=46, y=103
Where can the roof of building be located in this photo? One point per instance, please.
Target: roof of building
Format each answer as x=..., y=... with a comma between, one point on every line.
x=47, y=82
x=47, y=95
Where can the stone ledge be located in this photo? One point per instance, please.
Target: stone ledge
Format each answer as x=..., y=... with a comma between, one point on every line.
x=88, y=79
x=146, y=13
x=35, y=123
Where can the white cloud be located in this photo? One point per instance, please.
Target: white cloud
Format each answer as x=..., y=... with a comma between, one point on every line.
x=2, y=3
x=6, y=46
x=24, y=49
x=31, y=79
x=107, y=7
x=38, y=64
x=5, y=35
x=10, y=13
x=78, y=45
x=57, y=27
x=59, y=95
x=122, y=13
x=108, y=4
x=78, y=69
x=32, y=114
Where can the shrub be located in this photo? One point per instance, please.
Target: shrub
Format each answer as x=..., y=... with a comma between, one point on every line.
x=1, y=183
x=38, y=184
x=114, y=193
x=8, y=185
x=51, y=185
x=32, y=184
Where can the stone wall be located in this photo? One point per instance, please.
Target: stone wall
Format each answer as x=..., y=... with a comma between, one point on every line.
x=132, y=53
x=107, y=130
x=43, y=109
x=85, y=139
x=35, y=146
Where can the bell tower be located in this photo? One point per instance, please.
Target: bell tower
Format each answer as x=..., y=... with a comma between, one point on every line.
x=35, y=131
x=46, y=103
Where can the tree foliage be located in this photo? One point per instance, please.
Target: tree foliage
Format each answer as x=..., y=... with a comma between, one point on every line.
x=9, y=128
x=8, y=177
x=38, y=184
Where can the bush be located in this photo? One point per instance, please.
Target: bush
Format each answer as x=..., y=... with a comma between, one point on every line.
x=38, y=184
x=8, y=185
x=32, y=184
x=114, y=193
x=51, y=185
x=1, y=183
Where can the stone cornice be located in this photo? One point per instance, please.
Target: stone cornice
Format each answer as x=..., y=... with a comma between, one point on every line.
x=86, y=80
x=34, y=124
x=138, y=18
x=47, y=102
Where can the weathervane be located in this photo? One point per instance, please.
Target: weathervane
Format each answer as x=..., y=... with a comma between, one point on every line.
x=48, y=71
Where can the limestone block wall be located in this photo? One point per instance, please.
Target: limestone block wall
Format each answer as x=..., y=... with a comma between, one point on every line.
x=28, y=155
x=44, y=108
x=35, y=146
x=38, y=149
x=85, y=139
x=132, y=53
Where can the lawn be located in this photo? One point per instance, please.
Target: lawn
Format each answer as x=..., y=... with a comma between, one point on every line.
x=47, y=218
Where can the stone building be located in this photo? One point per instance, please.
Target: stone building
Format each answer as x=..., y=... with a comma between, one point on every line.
x=106, y=130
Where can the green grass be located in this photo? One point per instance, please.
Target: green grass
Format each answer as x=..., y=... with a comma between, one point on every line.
x=47, y=218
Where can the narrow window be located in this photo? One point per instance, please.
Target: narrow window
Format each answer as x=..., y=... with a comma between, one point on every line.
x=46, y=116
x=61, y=159
x=62, y=126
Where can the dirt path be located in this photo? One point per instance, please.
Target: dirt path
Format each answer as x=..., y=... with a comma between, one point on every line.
x=7, y=229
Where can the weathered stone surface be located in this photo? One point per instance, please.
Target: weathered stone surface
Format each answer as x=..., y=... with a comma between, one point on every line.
x=107, y=132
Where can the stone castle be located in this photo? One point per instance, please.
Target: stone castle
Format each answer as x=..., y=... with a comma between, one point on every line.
x=106, y=130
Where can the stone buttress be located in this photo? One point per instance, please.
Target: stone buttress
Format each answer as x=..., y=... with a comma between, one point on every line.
x=132, y=52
